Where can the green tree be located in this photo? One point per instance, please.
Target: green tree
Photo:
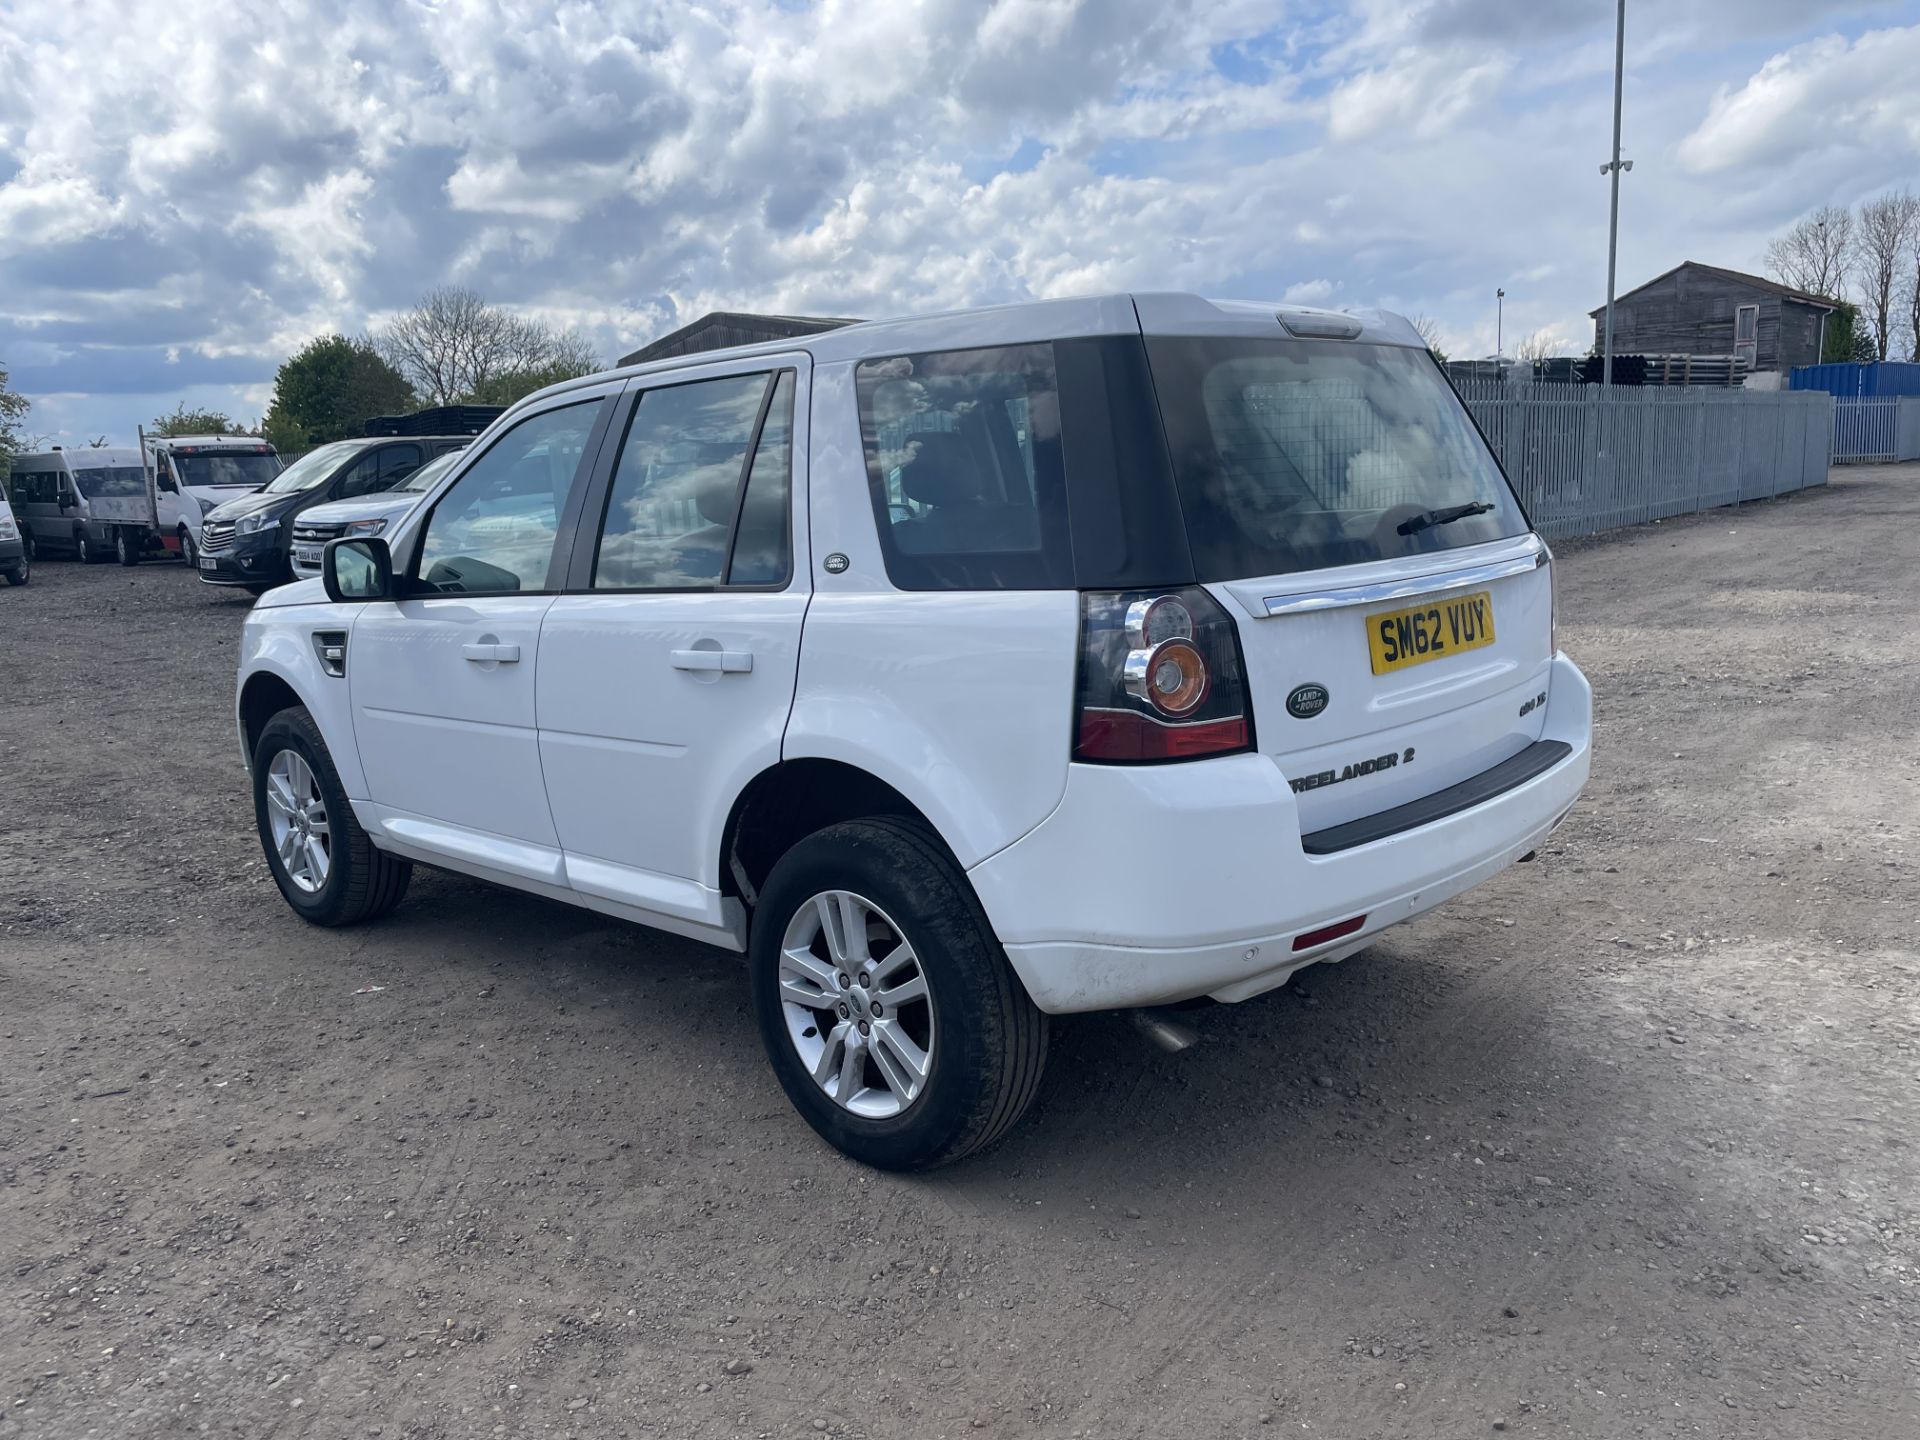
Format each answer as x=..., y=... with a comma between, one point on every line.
x=1845, y=335
x=13, y=412
x=184, y=421
x=328, y=391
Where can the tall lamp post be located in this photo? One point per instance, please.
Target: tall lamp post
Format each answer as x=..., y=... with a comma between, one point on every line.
x=1499, y=320
x=1613, y=168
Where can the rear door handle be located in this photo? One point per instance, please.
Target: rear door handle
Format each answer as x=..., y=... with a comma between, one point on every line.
x=731, y=662
x=482, y=651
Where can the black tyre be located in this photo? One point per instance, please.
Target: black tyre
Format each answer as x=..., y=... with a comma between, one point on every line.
x=868, y=950
x=127, y=545
x=323, y=862
x=21, y=572
x=189, y=552
x=83, y=549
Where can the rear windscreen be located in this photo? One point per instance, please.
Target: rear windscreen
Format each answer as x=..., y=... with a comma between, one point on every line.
x=108, y=482
x=1301, y=455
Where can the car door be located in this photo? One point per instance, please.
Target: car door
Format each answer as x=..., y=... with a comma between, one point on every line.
x=442, y=679
x=72, y=509
x=169, y=505
x=667, y=669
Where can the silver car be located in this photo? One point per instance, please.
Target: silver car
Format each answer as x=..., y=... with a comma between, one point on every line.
x=371, y=515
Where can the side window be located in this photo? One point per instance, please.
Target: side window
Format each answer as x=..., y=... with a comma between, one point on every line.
x=396, y=463
x=493, y=532
x=964, y=461
x=381, y=469
x=363, y=478
x=670, y=514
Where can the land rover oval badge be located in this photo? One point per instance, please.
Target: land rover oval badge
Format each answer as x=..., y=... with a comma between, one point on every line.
x=1307, y=701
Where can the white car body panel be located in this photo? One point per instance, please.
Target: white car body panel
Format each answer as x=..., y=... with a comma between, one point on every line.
x=277, y=640
x=1157, y=883
x=621, y=711
x=1461, y=714
x=911, y=686
x=447, y=739
x=620, y=717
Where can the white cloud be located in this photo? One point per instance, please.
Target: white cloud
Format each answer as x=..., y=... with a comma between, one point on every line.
x=1419, y=92
x=225, y=185
x=1828, y=96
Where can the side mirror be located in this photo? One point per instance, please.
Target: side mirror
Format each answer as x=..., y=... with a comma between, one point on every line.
x=357, y=570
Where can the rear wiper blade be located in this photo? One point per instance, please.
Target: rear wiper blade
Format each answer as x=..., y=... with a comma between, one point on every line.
x=1414, y=524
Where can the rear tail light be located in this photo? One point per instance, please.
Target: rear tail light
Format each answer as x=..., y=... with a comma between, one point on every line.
x=1161, y=678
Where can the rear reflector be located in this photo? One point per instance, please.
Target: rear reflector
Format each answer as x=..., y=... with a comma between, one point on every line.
x=1325, y=933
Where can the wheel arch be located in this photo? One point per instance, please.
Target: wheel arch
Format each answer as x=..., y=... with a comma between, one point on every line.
x=790, y=800
x=264, y=695
x=279, y=668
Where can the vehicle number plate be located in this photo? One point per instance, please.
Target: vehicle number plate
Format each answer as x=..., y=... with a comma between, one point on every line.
x=307, y=554
x=208, y=564
x=1431, y=631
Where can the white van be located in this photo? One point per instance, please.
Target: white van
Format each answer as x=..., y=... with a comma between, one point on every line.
x=195, y=473
x=54, y=491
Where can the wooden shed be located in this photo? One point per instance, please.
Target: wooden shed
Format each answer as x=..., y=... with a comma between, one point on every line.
x=1696, y=309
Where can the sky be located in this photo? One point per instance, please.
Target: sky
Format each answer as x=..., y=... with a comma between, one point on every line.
x=190, y=191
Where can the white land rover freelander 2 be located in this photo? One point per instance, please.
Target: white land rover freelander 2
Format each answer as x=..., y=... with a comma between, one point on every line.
x=960, y=670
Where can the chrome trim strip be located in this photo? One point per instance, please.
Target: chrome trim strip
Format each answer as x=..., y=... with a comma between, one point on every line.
x=1308, y=601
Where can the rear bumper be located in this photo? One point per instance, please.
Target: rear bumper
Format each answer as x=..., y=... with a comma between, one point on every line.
x=1153, y=884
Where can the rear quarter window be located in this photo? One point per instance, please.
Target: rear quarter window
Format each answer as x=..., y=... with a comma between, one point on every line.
x=965, y=466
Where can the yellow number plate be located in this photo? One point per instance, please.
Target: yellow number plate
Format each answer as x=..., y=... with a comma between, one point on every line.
x=1399, y=638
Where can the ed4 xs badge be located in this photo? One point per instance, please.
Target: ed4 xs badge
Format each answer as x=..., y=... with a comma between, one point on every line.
x=1307, y=701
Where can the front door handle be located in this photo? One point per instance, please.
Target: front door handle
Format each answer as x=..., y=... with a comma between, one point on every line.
x=481, y=652
x=731, y=662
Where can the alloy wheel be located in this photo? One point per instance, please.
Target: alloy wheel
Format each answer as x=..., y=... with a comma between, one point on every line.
x=297, y=816
x=857, y=1006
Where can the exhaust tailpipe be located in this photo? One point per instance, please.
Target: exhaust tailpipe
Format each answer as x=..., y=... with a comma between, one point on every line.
x=1165, y=1032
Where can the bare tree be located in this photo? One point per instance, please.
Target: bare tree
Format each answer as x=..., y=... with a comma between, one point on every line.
x=1540, y=345
x=1889, y=230
x=453, y=346
x=1428, y=330
x=1816, y=254
x=1913, y=298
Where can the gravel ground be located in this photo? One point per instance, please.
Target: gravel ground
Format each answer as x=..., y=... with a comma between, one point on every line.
x=1621, y=1144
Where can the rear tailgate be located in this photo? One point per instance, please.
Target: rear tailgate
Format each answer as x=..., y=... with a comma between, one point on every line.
x=1394, y=609
x=1376, y=685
